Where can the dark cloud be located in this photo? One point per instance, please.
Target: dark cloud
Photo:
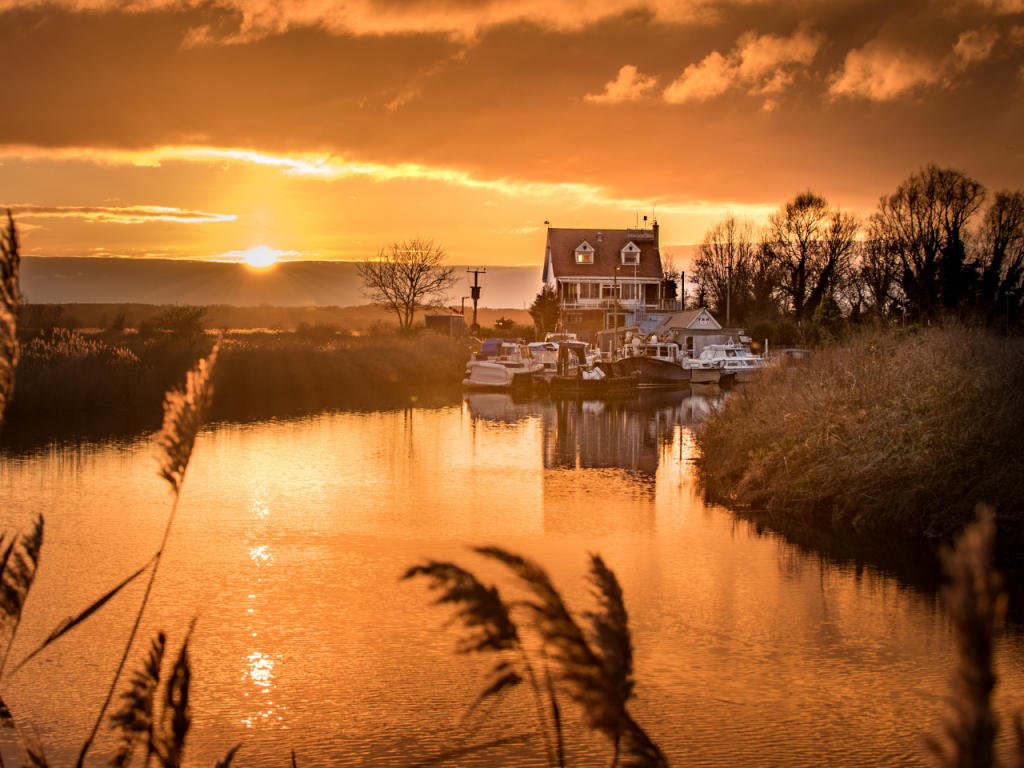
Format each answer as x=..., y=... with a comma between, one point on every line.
x=875, y=91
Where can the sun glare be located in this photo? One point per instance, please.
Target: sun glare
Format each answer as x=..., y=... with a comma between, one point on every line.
x=260, y=257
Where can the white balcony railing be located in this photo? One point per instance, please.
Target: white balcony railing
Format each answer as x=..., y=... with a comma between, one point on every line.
x=624, y=305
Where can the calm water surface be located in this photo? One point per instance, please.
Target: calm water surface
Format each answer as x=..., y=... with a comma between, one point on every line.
x=291, y=536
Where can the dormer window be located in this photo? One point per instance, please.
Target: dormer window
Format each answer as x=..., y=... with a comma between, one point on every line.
x=585, y=253
x=630, y=254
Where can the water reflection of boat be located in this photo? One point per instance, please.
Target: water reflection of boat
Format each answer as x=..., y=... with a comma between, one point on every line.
x=594, y=383
x=502, y=407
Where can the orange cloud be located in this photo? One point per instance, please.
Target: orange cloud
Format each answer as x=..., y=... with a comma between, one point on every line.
x=974, y=46
x=312, y=166
x=135, y=214
x=881, y=72
x=259, y=18
x=762, y=64
x=630, y=85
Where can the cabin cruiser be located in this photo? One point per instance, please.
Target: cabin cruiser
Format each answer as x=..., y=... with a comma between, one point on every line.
x=510, y=366
x=735, y=361
x=657, y=363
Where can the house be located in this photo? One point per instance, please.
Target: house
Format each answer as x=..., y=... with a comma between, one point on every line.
x=693, y=330
x=599, y=271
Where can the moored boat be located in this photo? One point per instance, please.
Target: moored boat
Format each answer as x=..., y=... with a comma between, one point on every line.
x=734, y=361
x=655, y=363
x=509, y=367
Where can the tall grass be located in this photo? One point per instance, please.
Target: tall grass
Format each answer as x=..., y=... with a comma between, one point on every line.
x=903, y=433
x=258, y=373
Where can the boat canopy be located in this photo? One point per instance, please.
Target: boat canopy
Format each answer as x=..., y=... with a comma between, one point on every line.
x=490, y=346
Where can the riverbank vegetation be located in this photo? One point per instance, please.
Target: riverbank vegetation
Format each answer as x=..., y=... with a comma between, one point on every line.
x=897, y=432
x=35, y=318
x=260, y=373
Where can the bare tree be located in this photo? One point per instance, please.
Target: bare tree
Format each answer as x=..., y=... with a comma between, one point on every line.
x=813, y=244
x=921, y=229
x=406, y=277
x=1001, y=255
x=727, y=244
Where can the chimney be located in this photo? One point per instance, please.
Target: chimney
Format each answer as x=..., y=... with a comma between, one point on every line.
x=655, y=228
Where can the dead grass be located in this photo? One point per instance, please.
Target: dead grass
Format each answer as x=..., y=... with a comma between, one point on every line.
x=896, y=432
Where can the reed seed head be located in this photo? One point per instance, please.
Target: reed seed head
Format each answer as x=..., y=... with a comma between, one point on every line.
x=480, y=608
x=183, y=416
x=18, y=564
x=135, y=718
x=10, y=302
x=610, y=628
x=976, y=605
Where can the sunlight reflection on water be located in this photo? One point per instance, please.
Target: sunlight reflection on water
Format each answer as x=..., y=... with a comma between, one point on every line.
x=291, y=536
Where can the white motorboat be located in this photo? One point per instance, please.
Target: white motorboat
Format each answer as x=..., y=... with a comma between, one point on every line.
x=735, y=362
x=702, y=371
x=510, y=367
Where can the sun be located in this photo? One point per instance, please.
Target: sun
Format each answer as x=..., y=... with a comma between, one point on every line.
x=259, y=257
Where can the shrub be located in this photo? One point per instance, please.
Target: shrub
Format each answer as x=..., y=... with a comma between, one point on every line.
x=322, y=333
x=184, y=322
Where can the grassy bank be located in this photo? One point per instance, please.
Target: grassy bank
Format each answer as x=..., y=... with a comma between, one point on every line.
x=360, y=318
x=262, y=374
x=895, y=434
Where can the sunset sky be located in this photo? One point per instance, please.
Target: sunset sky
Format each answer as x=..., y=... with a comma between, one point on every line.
x=324, y=130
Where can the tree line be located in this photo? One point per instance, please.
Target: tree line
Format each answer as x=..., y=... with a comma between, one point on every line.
x=938, y=247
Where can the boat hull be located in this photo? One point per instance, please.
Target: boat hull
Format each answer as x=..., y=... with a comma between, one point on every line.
x=496, y=376
x=609, y=386
x=705, y=375
x=651, y=372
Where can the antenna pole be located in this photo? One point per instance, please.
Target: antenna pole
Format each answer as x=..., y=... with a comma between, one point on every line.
x=475, y=288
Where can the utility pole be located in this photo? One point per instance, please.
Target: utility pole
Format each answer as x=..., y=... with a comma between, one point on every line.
x=475, y=288
x=728, y=292
x=615, y=311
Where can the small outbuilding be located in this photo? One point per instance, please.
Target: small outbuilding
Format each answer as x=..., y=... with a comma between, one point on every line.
x=447, y=325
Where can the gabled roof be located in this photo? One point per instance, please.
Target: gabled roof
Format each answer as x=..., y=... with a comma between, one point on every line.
x=690, y=319
x=560, y=259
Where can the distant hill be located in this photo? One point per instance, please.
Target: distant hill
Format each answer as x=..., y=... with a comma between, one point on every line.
x=66, y=280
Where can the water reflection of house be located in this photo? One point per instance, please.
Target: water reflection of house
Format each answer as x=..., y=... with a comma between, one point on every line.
x=600, y=459
x=599, y=435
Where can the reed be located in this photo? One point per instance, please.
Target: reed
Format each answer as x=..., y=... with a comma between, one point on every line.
x=976, y=605
x=164, y=736
x=595, y=671
x=898, y=433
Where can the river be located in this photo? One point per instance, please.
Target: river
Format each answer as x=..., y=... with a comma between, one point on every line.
x=291, y=536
